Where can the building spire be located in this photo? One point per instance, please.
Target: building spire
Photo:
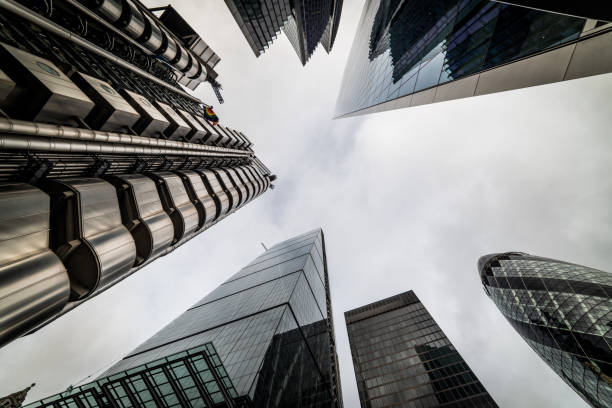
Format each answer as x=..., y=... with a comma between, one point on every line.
x=16, y=399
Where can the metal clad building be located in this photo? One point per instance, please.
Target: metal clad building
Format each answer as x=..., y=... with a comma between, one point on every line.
x=563, y=311
x=106, y=162
x=402, y=358
x=416, y=52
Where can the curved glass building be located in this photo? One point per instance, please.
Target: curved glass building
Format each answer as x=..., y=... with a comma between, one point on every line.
x=563, y=311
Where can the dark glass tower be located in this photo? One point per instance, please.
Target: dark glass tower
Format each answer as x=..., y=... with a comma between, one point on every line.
x=563, y=311
x=402, y=358
x=305, y=22
x=107, y=163
x=416, y=52
x=592, y=9
x=267, y=331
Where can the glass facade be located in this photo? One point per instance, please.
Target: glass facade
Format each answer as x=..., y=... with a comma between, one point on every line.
x=193, y=378
x=403, y=359
x=403, y=47
x=306, y=23
x=271, y=326
x=563, y=311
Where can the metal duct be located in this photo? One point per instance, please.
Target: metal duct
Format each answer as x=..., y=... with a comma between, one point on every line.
x=61, y=32
x=44, y=144
x=34, y=134
x=142, y=28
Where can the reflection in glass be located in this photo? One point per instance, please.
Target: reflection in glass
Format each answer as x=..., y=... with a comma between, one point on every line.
x=402, y=358
x=400, y=44
x=272, y=330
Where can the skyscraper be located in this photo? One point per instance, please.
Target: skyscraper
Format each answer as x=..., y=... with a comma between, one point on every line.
x=107, y=163
x=416, y=52
x=267, y=332
x=305, y=22
x=562, y=311
x=403, y=359
x=587, y=9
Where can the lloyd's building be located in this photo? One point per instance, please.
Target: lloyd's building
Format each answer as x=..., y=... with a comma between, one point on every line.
x=106, y=163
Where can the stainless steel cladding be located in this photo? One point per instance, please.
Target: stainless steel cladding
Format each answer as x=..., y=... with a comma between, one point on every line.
x=248, y=182
x=246, y=139
x=242, y=191
x=110, y=10
x=223, y=138
x=257, y=186
x=211, y=133
x=47, y=94
x=34, y=284
x=151, y=123
x=236, y=142
x=176, y=203
x=229, y=188
x=200, y=197
x=143, y=215
x=144, y=29
x=132, y=21
x=87, y=234
x=195, y=69
x=152, y=39
x=111, y=112
x=7, y=86
x=170, y=49
x=242, y=144
x=178, y=128
x=229, y=139
x=219, y=193
x=182, y=58
x=259, y=178
x=197, y=132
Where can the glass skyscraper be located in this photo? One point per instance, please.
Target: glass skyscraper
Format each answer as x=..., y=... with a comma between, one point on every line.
x=402, y=358
x=415, y=52
x=264, y=338
x=306, y=23
x=563, y=311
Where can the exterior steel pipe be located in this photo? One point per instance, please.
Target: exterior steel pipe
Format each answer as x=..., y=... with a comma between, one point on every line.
x=46, y=130
x=143, y=29
x=18, y=9
x=47, y=144
x=107, y=25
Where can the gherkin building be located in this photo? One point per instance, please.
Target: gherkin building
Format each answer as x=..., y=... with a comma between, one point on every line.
x=563, y=311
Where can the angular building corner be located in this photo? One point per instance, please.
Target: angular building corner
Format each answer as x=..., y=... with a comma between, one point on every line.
x=306, y=23
x=107, y=163
x=264, y=338
x=562, y=311
x=417, y=52
x=403, y=358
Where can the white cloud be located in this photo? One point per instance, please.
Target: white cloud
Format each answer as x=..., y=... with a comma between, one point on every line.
x=408, y=199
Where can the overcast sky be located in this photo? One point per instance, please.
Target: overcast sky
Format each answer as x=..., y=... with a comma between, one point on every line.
x=407, y=199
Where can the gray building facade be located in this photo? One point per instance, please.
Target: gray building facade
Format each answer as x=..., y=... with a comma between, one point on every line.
x=107, y=162
x=562, y=310
x=402, y=358
x=417, y=52
x=306, y=23
x=270, y=327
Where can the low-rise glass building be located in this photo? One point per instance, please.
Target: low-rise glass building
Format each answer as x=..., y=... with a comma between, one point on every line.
x=402, y=358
